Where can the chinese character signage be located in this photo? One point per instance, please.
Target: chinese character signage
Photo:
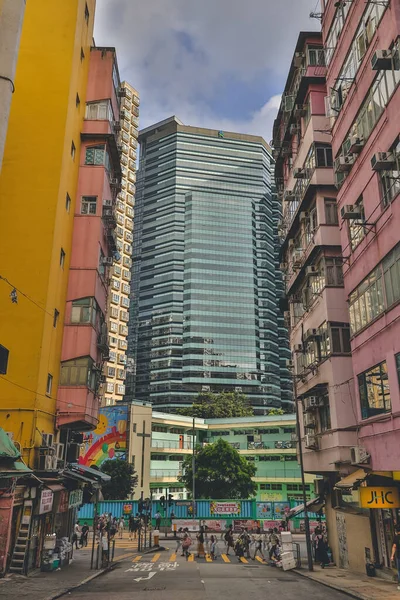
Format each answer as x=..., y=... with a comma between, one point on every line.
x=75, y=498
x=63, y=501
x=108, y=440
x=225, y=508
x=379, y=497
x=46, y=501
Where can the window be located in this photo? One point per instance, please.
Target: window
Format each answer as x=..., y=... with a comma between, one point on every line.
x=73, y=150
x=82, y=55
x=391, y=274
x=331, y=213
x=62, y=258
x=78, y=372
x=316, y=57
x=84, y=310
x=324, y=413
x=99, y=111
x=86, y=14
x=366, y=302
x=356, y=226
x=324, y=156
x=55, y=317
x=97, y=155
x=67, y=203
x=374, y=391
x=49, y=385
x=77, y=101
x=111, y=371
x=333, y=272
x=390, y=180
x=88, y=205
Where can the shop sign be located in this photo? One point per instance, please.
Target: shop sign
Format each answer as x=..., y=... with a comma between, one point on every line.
x=379, y=497
x=63, y=501
x=396, y=475
x=183, y=503
x=75, y=498
x=272, y=496
x=225, y=508
x=46, y=501
x=127, y=509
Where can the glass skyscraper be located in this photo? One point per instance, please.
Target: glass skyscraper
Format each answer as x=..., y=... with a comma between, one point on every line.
x=206, y=282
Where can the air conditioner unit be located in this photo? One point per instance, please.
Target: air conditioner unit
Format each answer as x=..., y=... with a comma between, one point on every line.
x=359, y=455
x=311, y=442
x=311, y=403
x=47, y=439
x=108, y=203
x=289, y=363
x=299, y=173
x=311, y=333
x=303, y=216
x=275, y=153
x=350, y=211
x=298, y=348
x=50, y=463
x=283, y=266
x=123, y=114
x=309, y=421
x=289, y=196
x=383, y=161
x=311, y=271
x=116, y=125
x=60, y=451
x=382, y=60
x=122, y=93
x=107, y=260
x=300, y=110
x=344, y=163
x=297, y=258
x=356, y=144
x=298, y=59
x=114, y=181
x=205, y=388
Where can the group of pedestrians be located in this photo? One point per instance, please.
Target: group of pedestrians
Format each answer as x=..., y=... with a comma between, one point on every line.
x=135, y=525
x=81, y=535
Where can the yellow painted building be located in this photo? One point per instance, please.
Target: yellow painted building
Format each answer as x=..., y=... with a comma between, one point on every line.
x=37, y=194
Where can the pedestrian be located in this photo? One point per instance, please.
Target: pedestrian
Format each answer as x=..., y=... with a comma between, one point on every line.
x=157, y=517
x=246, y=541
x=239, y=548
x=179, y=538
x=84, y=535
x=131, y=527
x=258, y=544
x=396, y=552
x=186, y=543
x=113, y=526
x=76, y=535
x=274, y=552
x=121, y=527
x=200, y=543
x=213, y=547
x=229, y=539
x=321, y=554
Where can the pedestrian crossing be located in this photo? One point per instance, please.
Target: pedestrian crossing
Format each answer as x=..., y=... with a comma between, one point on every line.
x=174, y=558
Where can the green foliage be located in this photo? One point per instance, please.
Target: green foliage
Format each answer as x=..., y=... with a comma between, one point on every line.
x=219, y=406
x=123, y=479
x=275, y=411
x=220, y=473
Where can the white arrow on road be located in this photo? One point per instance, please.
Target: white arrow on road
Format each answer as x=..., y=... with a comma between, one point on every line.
x=150, y=575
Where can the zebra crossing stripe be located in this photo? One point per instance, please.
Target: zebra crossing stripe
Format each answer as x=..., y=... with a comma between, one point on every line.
x=243, y=560
x=225, y=558
x=155, y=558
x=208, y=558
x=137, y=559
x=172, y=558
x=191, y=558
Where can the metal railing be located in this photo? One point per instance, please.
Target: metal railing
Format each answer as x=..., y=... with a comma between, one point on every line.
x=173, y=445
x=161, y=473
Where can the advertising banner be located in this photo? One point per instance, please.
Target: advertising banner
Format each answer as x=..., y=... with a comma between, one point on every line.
x=217, y=525
x=264, y=510
x=281, y=509
x=270, y=525
x=225, y=508
x=108, y=440
x=46, y=501
x=249, y=524
x=127, y=509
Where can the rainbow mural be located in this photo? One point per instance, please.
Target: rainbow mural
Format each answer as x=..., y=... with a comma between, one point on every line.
x=108, y=440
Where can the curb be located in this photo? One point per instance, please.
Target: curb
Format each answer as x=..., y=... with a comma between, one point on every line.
x=332, y=586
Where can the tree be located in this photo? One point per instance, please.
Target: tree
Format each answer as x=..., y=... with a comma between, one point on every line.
x=275, y=411
x=123, y=479
x=219, y=406
x=220, y=472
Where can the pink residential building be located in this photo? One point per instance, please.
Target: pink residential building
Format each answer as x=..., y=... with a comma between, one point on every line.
x=85, y=343
x=362, y=52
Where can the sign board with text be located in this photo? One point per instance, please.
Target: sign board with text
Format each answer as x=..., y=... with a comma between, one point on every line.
x=75, y=498
x=225, y=508
x=46, y=501
x=127, y=509
x=379, y=497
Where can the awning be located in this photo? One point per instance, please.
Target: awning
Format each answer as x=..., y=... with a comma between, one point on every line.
x=313, y=505
x=352, y=480
x=55, y=487
x=14, y=469
x=93, y=475
x=7, y=448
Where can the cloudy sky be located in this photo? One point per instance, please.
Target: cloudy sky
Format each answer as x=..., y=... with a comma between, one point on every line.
x=212, y=63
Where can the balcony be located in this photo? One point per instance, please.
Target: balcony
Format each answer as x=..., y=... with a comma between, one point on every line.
x=83, y=408
x=108, y=216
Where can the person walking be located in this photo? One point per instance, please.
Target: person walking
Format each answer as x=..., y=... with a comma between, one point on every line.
x=84, y=535
x=157, y=517
x=131, y=527
x=186, y=543
x=200, y=543
x=229, y=539
x=213, y=547
x=258, y=544
x=179, y=538
x=321, y=554
x=396, y=552
x=76, y=535
x=121, y=527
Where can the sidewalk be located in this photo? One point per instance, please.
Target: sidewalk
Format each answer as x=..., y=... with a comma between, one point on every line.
x=354, y=584
x=51, y=585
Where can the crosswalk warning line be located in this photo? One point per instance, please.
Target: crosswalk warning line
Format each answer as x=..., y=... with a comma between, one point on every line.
x=208, y=558
x=172, y=558
x=191, y=558
x=260, y=559
x=155, y=558
x=225, y=558
x=136, y=559
x=244, y=560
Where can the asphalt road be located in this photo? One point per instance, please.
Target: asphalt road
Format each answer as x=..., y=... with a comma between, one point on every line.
x=163, y=576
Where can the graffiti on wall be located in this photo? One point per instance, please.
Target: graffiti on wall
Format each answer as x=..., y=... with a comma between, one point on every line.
x=108, y=440
x=342, y=539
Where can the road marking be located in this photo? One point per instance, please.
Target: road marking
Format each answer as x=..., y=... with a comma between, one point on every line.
x=260, y=559
x=243, y=560
x=208, y=558
x=149, y=576
x=172, y=558
x=155, y=558
x=137, y=559
x=225, y=558
x=191, y=558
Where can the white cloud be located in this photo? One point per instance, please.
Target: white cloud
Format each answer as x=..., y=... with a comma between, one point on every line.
x=228, y=38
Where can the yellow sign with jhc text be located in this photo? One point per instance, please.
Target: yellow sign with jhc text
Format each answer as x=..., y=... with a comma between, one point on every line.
x=379, y=497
